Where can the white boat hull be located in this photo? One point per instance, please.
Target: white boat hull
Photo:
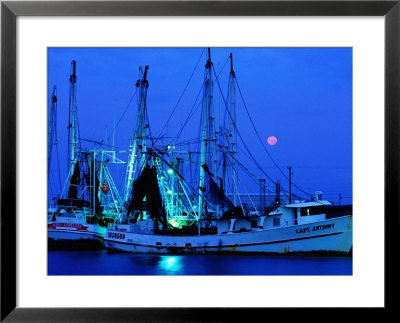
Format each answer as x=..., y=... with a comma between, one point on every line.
x=327, y=236
x=79, y=235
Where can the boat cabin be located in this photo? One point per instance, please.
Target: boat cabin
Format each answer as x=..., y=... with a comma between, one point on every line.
x=296, y=213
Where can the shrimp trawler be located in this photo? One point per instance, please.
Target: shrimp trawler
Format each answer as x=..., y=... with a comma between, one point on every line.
x=89, y=201
x=166, y=211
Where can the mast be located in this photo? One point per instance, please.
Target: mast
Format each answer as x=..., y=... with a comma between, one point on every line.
x=232, y=128
x=94, y=186
x=262, y=196
x=290, y=184
x=73, y=143
x=208, y=140
x=277, y=193
x=138, y=147
x=51, y=128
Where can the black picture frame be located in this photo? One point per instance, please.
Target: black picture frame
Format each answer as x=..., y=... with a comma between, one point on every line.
x=10, y=10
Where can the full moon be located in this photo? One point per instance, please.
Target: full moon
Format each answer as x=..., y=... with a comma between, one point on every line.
x=272, y=140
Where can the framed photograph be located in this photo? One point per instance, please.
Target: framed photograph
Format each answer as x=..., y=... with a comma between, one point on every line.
x=189, y=153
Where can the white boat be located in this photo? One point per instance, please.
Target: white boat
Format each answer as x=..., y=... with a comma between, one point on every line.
x=166, y=214
x=89, y=201
x=289, y=229
x=71, y=230
x=81, y=217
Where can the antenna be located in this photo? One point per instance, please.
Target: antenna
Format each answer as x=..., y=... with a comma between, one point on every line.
x=231, y=58
x=72, y=77
x=209, y=63
x=145, y=74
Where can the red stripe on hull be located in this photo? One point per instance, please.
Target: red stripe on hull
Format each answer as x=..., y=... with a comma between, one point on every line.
x=225, y=246
x=77, y=232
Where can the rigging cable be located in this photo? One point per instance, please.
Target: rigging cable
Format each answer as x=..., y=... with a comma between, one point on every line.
x=247, y=149
x=126, y=109
x=262, y=143
x=191, y=113
x=240, y=136
x=183, y=92
x=56, y=144
x=54, y=134
x=148, y=124
x=180, y=176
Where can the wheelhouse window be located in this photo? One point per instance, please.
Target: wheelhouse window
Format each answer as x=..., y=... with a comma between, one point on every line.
x=312, y=210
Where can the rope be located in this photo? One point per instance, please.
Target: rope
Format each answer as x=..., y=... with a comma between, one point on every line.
x=191, y=113
x=126, y=109
x=179, y=100
x=240, y=136
x=262, y=143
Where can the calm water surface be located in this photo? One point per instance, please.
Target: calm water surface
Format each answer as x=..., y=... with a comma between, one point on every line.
x=103, y=263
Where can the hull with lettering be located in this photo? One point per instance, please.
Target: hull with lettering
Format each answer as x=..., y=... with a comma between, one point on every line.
x=168, y=208
x=333, y=236
x=88, y=201
x=66, y=235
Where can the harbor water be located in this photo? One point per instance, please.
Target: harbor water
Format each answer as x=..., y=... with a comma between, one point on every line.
x=102, y=263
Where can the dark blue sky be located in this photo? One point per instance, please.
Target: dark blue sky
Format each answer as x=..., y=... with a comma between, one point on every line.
x=303, y=96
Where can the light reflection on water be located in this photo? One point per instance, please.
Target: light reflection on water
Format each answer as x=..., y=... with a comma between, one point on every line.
x=170, y=264
x=103, y=263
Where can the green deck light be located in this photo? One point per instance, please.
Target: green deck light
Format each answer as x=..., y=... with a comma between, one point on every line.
x=174, y=223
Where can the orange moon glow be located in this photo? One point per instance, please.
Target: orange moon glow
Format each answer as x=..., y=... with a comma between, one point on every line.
x=272, y=140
